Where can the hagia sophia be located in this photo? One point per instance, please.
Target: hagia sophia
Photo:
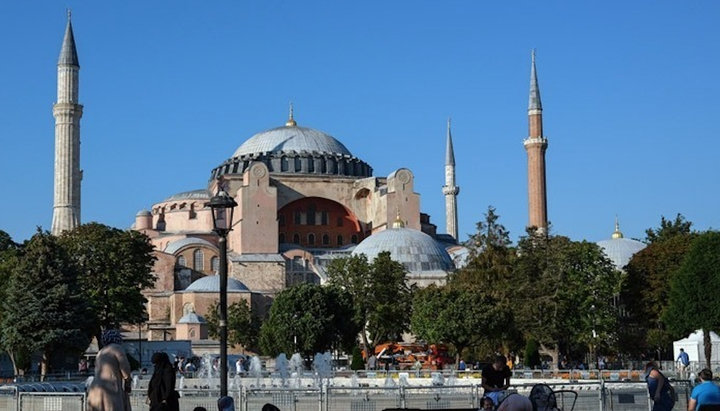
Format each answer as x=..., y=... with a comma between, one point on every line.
x=303, y=199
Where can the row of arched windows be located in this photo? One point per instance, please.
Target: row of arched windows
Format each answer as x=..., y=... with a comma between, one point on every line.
x=199, y=262
x=312, y=240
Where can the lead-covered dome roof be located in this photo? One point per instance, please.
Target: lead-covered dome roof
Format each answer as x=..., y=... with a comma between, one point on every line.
x=620, y=249
x=211, y=284
x=417, y=251
x=292, y=149
x=291, y=139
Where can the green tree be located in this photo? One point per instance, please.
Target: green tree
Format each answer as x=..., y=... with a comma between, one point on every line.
x=694, y=302
x=243, y=327
x=381, y=298
x=44, y=308
x=564, y=294
x=461, y=317
x=668, y=229
x=9, y=252
x=114, y=267
x=308, y=319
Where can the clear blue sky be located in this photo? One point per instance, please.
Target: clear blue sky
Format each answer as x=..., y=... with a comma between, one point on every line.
x=171, y=88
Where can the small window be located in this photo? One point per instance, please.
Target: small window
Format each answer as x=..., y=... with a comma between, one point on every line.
x=281, y=220
x=198, y=260
x=215, y=264
x=298, y=217
x=311, y=215
x=311, y=239
x=353, y=239
x=324, y=218
x=298, y=165
x=339, y=240
x=296, y=239
x=326, y=239
x=284, y=164
x=192, y=214
x=181, y=261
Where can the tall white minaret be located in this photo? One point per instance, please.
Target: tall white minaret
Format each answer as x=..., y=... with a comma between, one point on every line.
x=450, y=189
x=67, y=112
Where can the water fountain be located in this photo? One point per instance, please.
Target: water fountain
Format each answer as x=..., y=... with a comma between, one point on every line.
x=255, y=369
x=281, y=368
x=296, y=369
x=322, y=366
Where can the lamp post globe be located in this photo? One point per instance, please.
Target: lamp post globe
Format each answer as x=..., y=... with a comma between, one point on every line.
x=222, y=206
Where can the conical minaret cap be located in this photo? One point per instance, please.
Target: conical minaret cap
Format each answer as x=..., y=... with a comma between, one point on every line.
x=68, y=51
x=534, y=102
x=449, y=152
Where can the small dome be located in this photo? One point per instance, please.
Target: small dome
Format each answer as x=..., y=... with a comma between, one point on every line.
x=175, y=246
x=291, y=138
x=191, y=318
x=143, y=213
x=201, y=194
x=211, y=284
x=417, y=251
x=620, y=249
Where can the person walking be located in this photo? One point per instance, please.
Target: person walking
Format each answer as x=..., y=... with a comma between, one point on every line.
x=161, y=390
x=659, y=388
x=111, y=385
x=683, y=361
x=705, y=393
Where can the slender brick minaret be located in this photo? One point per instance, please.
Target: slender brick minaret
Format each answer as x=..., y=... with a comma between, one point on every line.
x=67, y=112
x=535, y=145
x=450, y=189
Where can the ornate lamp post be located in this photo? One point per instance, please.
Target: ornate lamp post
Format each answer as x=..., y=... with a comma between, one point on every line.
x=222, y=206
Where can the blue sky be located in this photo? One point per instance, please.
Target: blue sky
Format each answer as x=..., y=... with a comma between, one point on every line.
x=171, y=88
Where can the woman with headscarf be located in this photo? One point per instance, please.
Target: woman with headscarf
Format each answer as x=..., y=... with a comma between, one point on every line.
x=161, y=390
x=110, y=387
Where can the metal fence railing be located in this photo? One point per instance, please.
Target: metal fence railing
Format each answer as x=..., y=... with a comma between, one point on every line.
x=591, y=396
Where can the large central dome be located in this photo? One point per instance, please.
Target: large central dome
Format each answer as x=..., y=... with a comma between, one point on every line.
x=295, y=150
x=291, y=139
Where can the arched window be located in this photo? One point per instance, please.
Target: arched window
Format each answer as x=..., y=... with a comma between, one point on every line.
x=296, y=238
x=283, y=164
x=198, y=260
x=324, y=218
x=353, y=239
x=311, y=239
x=181, y=261
x=311, y=214
x=326, y=239
x=215, y=264
x=281, y=238
x=339, y=240
x=298, y=217
x=192, y=214
x=281, y=220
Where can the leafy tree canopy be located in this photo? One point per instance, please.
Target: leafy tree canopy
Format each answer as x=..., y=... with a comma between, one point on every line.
x=668, y=229
x=243, y=327
x=114, y=266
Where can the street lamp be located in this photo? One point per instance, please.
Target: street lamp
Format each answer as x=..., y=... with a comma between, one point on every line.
x=222, y=206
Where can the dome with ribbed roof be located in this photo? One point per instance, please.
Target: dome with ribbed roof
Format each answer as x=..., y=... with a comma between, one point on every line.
x=619, y=249
x=417, y=251
x=288, y=139
x=211, y=284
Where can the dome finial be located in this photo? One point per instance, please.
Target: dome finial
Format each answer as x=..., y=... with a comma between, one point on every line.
x=617, y=233
x=69, y=13
x=291, y=121
x=398, y=223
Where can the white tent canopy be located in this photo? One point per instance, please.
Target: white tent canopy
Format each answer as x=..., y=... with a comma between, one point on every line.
x=695, y=348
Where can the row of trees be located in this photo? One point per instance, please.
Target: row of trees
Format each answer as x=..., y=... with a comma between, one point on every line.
x=564, y=297
x=59, y=292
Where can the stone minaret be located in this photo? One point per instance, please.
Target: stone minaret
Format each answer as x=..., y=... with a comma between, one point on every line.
x=67, y=113
x=450, y=189
x=536, y=145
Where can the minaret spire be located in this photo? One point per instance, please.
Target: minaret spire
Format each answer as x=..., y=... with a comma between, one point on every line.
x=450, y=190
x=536, y=145
x=67, y=112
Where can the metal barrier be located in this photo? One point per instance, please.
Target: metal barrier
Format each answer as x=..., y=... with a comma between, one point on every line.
x=49, y=401
x=303, y=399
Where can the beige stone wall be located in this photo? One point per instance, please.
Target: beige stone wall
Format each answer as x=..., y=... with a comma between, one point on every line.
x=201, y=303
x=256, y=228
x=183, y=216
x=164, y=270
x=158, y=307
x=263, y=277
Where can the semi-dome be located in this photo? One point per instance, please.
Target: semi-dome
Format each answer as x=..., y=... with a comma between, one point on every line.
x=191, y=318
x=292, y=149
x=200, y=194
x=619, y=249
x=417, y=251
x=211, y=284
x=174, y=246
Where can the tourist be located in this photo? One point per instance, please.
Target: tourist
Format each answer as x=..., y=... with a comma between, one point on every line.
x=83, y=366
x=659, y=388
x=111, y=386
x=239, y=366
x=683, y=361
x=372, y=362
x=487, y=404
x=161, y=390
x=496, y=378
x=705, y=393
x=515, y=402
x=462, y=366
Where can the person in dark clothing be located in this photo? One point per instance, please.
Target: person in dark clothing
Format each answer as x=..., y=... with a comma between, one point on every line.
x=161, y=390
x=496, y=378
